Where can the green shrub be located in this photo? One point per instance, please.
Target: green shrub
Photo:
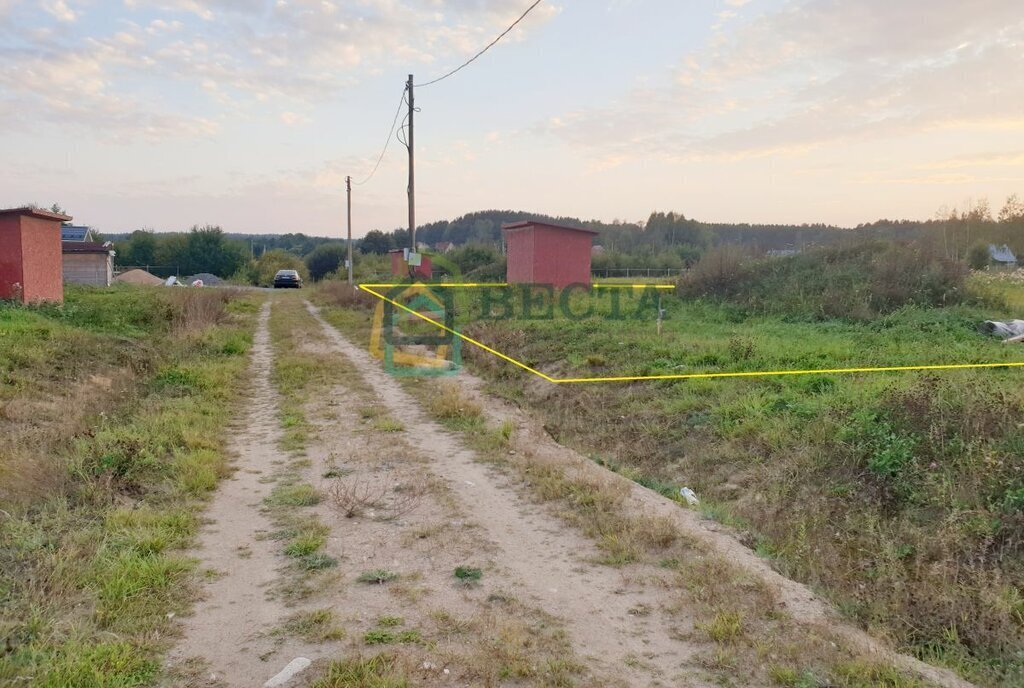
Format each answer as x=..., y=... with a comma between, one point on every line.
x=859, y=281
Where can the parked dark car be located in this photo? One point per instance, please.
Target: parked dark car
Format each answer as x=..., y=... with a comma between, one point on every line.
x=287, y=278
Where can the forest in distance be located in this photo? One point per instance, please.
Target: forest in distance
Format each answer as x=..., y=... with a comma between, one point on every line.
x=666, y=240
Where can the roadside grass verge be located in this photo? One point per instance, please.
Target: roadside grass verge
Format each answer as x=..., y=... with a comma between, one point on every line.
x=96, y=506
x=347, y=308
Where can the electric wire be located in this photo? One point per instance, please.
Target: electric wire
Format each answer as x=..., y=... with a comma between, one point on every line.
x=400, y=133
x=488, y=47
x=387, y=142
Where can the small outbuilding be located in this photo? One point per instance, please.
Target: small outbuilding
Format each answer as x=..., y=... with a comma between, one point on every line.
x=400, y=264
x=30, y=255
x=545, y=253
x=88, y=262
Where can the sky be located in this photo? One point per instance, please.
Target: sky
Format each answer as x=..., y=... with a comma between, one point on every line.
x=249, y=114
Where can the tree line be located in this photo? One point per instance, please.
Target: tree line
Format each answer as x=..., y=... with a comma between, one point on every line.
x=251, y=259
x=671, y=240
x=664, y=240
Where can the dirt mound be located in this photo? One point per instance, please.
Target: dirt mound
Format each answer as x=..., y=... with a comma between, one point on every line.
x=138, y=277
x=208, y=279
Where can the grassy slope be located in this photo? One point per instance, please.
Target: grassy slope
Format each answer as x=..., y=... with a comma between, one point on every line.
x=100, y=500
x=900, y=495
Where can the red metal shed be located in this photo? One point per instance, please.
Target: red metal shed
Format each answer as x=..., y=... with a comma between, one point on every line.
x=30, y=255
x=399, y=266
x=543, y=253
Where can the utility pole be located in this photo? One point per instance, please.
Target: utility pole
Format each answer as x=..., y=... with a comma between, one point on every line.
x=412, y=172
x=348, y=186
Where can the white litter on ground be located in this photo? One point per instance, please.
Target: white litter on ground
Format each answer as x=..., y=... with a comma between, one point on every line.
x=689, y=495
x=294, y=668
x=1005, y=329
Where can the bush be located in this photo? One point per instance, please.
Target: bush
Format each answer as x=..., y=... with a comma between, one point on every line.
x=325, y=259
x=858, y=281
x=261, y=271
x=978, y=256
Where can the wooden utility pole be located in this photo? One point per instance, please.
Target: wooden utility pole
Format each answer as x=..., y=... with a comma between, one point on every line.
x=412, y=171
x=348, y=186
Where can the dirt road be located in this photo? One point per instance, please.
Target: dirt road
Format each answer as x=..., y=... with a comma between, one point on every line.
x=444, y=565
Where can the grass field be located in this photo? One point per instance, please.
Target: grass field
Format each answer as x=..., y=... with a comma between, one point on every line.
x=899, y=495
x=112, y=416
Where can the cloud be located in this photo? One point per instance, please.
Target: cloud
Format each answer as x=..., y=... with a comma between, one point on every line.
x=235, y=55
x=946, y=179
x=60, y=10
x=817, y=72
x=293, y=118
x=73, y=89
x=1008, y=159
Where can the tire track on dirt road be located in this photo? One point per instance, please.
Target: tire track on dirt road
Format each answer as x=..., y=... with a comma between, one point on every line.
x=553, y=564
x=226, y=641
x=260, y=612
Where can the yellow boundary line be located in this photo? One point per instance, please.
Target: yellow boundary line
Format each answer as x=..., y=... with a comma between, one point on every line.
x=461, y=285
x=369, y=288
x=444, y=327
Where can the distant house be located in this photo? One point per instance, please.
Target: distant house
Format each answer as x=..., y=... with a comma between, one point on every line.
x=596, y=249
x=400, y=264
x=69, y=232
x=88, y=262
x=444, y=247
x=1001, y=255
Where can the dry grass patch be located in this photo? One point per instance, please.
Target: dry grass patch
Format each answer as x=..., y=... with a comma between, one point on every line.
x=380, y=671
x=448, y=402
x=341, y=294
x=314, y=626
x=507, y=642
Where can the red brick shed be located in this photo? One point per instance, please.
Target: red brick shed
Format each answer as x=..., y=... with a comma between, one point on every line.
x=30, y=255
x=543, y=253
x=400, y=267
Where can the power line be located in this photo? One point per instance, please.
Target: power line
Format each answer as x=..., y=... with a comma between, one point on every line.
x=400, y=134
x=488, y=47
x=387, y=142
